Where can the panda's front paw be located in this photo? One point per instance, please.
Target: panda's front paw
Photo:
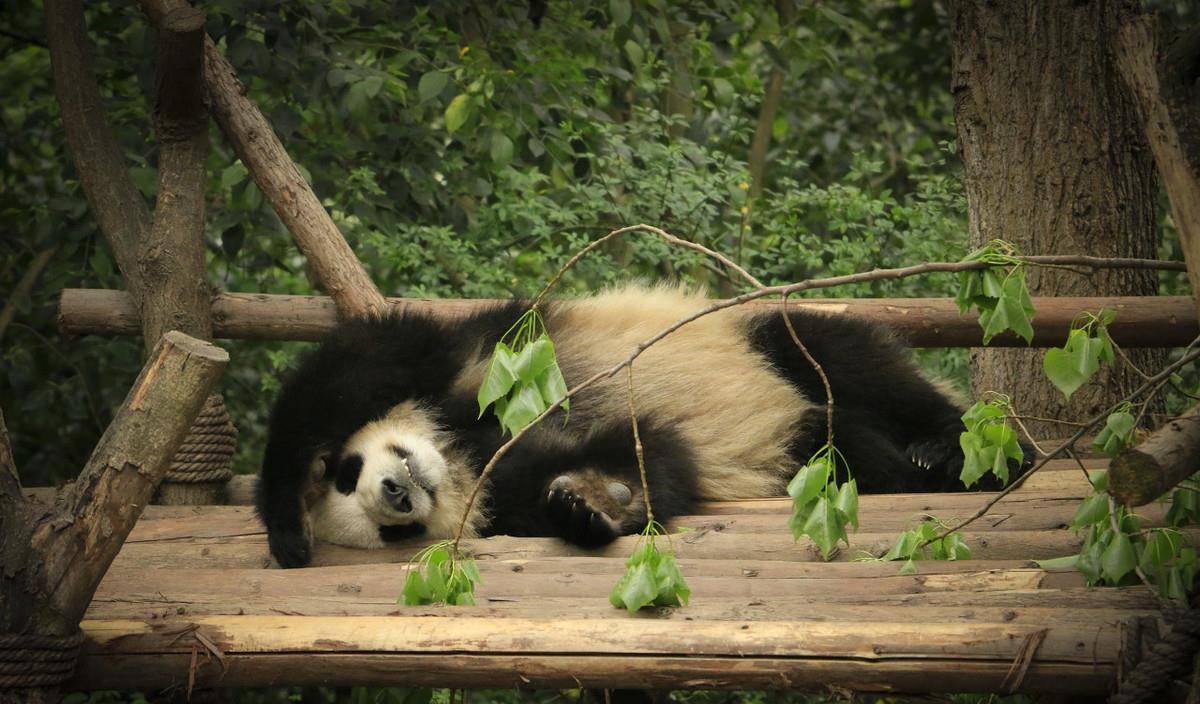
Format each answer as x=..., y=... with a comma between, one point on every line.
x=575, y=519
x=289, y=548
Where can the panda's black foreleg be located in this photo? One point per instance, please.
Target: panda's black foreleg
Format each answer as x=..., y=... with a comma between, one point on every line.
x=588, y=491
x=280, y=500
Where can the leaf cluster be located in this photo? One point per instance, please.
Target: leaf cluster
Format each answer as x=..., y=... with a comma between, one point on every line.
x=1117, y=432
x=440, y=575
x=989, y=442
x=523, y=378
x=652, y=578
x=1088, y=344
x=998, y=292
x=1115, y=548
x=918, y=543
x=821, y=508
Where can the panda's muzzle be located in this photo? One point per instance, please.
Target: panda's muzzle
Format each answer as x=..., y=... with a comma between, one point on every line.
x=397, y=496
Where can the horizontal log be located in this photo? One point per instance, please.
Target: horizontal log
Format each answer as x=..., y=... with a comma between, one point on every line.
x=1151, y=321
x=550, y=671
x=518, y=651
x=578, y=588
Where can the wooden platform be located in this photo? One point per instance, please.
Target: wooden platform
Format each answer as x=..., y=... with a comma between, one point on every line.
x=192, y=589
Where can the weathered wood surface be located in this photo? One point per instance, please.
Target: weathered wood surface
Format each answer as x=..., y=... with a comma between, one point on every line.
x=765, y=613
x=1152, y=321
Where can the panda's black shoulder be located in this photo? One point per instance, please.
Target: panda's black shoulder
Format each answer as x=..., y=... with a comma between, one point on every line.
x=365, y=366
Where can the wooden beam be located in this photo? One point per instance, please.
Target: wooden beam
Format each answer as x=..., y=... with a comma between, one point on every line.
x=1154, y=321
x=613, y=652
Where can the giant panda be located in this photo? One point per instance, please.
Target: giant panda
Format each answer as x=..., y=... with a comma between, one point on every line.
x=377, y=436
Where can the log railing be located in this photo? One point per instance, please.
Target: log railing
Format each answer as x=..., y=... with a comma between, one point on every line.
x=1160, y=321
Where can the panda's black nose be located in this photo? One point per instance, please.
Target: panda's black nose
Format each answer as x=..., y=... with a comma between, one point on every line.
x=397, y=496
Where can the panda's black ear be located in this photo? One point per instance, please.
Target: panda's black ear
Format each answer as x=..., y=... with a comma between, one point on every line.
x=348, y=470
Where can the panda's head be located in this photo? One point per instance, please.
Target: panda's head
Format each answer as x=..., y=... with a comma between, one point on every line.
x=393, y=471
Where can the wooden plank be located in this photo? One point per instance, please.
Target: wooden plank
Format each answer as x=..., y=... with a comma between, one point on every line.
x=1147, y=321
x=869, y=645
x=251, y=550
x=578, y=587
x=548, y=671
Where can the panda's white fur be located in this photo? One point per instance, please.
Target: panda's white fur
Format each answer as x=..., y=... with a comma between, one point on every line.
x=725, y=404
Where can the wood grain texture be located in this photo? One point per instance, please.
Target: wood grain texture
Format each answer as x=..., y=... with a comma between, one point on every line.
x=765, y=613
x=1158, y=321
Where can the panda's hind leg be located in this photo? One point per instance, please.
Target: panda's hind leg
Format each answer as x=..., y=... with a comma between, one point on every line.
x=591, y=509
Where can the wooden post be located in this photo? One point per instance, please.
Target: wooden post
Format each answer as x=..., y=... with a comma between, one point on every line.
x=1171, y=454
x=177, y=292
x=54, y=556
x=255, y=142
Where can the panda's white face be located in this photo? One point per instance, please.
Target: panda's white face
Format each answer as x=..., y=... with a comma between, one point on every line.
x=388, y=474
x=400, y=472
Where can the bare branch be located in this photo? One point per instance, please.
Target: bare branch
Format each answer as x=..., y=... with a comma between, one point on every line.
x=116, y=203
x=25, y=286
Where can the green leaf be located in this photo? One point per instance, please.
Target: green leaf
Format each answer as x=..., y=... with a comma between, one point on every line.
x=502, y=148
x=722, y=91
x=1061, y=368
x=824, y=526
x=523, y=407
x=970, y=287
x=533, y=359
x=431, y=85
x=1068, y=562
x=634, y=52
x=909, y=567
x=458, y=112
x=847, y=502
x=233, y=174
x=640, y=590
x=619, y=11
x=809, y=482
x=1118, y=559
x=415, y=591
x=1094, y=509
x=552, y=386
x=1116, y=434
x=499, y=379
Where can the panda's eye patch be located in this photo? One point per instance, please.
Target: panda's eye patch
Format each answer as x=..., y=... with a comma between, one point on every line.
x=399, y=451
x=347, y=473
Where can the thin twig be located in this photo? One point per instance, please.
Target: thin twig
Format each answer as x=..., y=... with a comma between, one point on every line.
x=1078, y=462
x=1028, y=435
x=1069, y=442
x=1043, y=419
x=678, y=241
x=787, y=321
x=637, y=449
x=1128, y=361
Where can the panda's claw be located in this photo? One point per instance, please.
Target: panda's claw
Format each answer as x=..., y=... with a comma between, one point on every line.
x=575, y=520
x=290, y=549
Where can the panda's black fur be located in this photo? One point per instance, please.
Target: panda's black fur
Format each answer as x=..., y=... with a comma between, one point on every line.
x=576, y=476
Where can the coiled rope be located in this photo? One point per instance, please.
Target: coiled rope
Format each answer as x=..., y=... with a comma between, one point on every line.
x=1168, y=658
x=206, y=454
x=28, y=660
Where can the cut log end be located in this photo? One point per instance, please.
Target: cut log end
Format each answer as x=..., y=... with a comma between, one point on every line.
x=195, y=347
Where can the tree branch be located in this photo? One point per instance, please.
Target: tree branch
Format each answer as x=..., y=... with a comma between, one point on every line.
x=1169, y=455
x=98, y=510
x=115, y=202
x=334, y=263
x=25, y=286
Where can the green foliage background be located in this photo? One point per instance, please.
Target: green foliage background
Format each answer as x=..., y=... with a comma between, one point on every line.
x=467, y=154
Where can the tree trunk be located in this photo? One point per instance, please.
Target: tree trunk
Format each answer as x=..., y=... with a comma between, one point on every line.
x=1054, y=162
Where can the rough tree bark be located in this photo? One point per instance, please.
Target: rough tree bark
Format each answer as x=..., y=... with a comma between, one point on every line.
x=1055, y=162
x=54, y=556
x=115, y=202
